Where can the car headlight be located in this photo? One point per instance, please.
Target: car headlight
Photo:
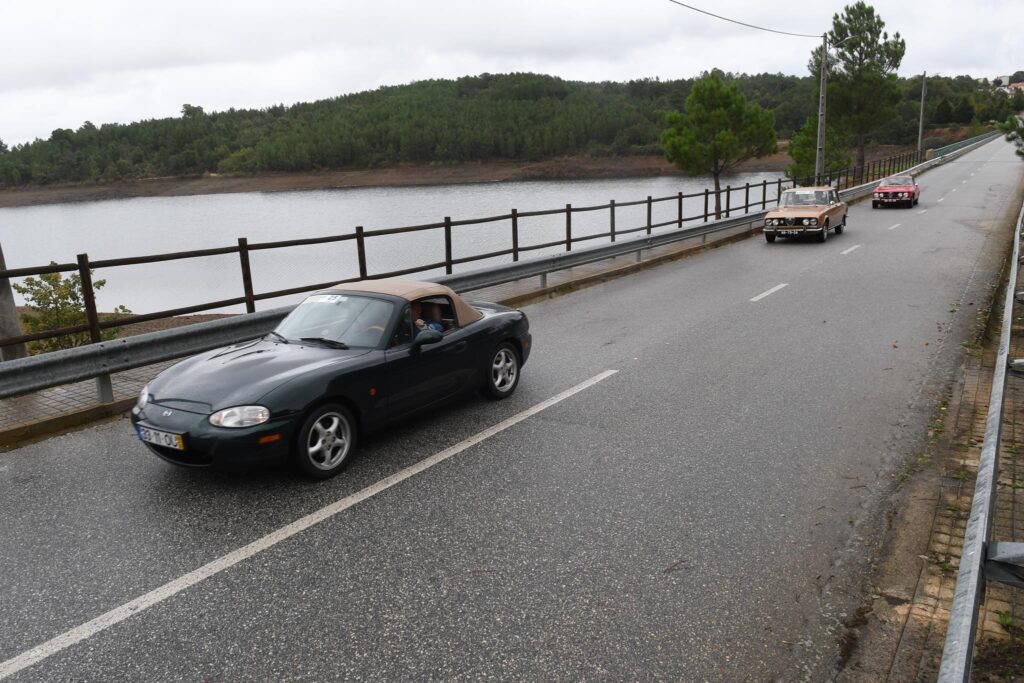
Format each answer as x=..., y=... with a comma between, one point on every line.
x=143, y=398
x=814, y=221
x=769, y=221
x=240, y=416
x=807, y=221
x=903, y=194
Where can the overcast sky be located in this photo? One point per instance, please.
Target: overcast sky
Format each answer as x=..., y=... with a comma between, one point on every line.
x=69, y=61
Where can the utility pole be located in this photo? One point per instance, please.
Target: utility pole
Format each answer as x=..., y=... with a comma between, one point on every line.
x=819, y=157
x=9, y=325
x=920, y=125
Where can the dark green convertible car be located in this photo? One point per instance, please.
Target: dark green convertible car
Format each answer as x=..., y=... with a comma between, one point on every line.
x=347, y=360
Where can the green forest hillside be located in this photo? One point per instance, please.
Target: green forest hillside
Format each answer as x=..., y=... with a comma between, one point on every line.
x=516, y=116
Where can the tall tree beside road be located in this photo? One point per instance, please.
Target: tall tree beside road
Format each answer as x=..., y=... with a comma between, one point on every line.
x=863, y=89
x=717, y=130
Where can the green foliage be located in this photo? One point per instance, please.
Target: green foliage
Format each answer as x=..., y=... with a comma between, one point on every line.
x=803, y=148
x=58, y=302
x=1017, y=101
x=964, y=111
x=1013, y=128
x=718, y=130
x=1017, y=77
x=943, y=112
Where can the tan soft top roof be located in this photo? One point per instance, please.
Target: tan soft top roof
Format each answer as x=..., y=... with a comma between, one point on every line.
x=410, y=290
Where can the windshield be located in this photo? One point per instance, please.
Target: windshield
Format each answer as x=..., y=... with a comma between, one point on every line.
x=902, y=180
x=803, y=198
x=351, y=320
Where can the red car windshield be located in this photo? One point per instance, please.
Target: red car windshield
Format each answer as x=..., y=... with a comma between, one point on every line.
x=901, y=181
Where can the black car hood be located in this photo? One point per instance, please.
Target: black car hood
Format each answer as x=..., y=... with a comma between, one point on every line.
x=241, y=374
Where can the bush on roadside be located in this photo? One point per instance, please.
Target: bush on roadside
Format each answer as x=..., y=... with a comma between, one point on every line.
x=57, y=302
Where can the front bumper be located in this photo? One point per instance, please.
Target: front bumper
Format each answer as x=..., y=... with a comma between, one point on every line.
x=793, y=230
x=209, y=446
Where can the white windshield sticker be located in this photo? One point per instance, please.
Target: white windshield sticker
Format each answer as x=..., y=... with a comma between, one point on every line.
x=326, y=299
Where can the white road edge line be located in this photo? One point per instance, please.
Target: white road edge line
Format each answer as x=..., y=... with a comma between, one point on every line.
x=844, y=253
x=893, y=227
x=770, y=291
x=119, y=614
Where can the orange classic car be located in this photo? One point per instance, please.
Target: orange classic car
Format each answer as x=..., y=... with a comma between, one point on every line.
x=806, y=211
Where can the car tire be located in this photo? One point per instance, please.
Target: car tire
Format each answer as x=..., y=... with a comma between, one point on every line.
x=874, y=205
x=823, y=235
x=841, y=226
x=331, y=427
x=770, y=236
x=501, y=375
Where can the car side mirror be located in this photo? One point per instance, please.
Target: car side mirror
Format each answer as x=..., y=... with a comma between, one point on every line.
x=427, y=337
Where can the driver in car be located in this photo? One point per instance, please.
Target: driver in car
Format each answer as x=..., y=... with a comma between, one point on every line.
x=419, y=323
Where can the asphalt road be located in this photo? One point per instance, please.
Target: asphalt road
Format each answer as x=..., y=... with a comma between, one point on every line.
x=707, y=512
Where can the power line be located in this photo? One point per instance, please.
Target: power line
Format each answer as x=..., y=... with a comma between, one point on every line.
x=759, y=28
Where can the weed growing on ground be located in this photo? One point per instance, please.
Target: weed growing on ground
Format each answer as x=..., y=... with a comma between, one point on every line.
x=1006, y=620
x=943, y=564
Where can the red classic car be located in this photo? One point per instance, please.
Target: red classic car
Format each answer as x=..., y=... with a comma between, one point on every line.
x=900, y=190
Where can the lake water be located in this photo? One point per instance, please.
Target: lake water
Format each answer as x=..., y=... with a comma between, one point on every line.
x=34, y=236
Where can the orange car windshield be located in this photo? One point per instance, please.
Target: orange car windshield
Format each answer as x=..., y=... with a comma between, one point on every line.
x=803, y=198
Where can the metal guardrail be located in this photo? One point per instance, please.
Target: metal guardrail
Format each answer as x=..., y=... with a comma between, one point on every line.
x=981, y=559
x=25, y=375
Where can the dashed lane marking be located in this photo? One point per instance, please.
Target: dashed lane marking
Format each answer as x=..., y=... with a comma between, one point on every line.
x=922, y=211
x=941, y=198
x=853, y=248
x=893, y=227
x=770, y=291
x=129, y=609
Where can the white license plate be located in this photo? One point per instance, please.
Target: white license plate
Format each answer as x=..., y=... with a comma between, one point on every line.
x=165, y=439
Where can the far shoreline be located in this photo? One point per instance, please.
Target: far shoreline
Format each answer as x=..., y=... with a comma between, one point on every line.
x=567, y=168
x=406, y=175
